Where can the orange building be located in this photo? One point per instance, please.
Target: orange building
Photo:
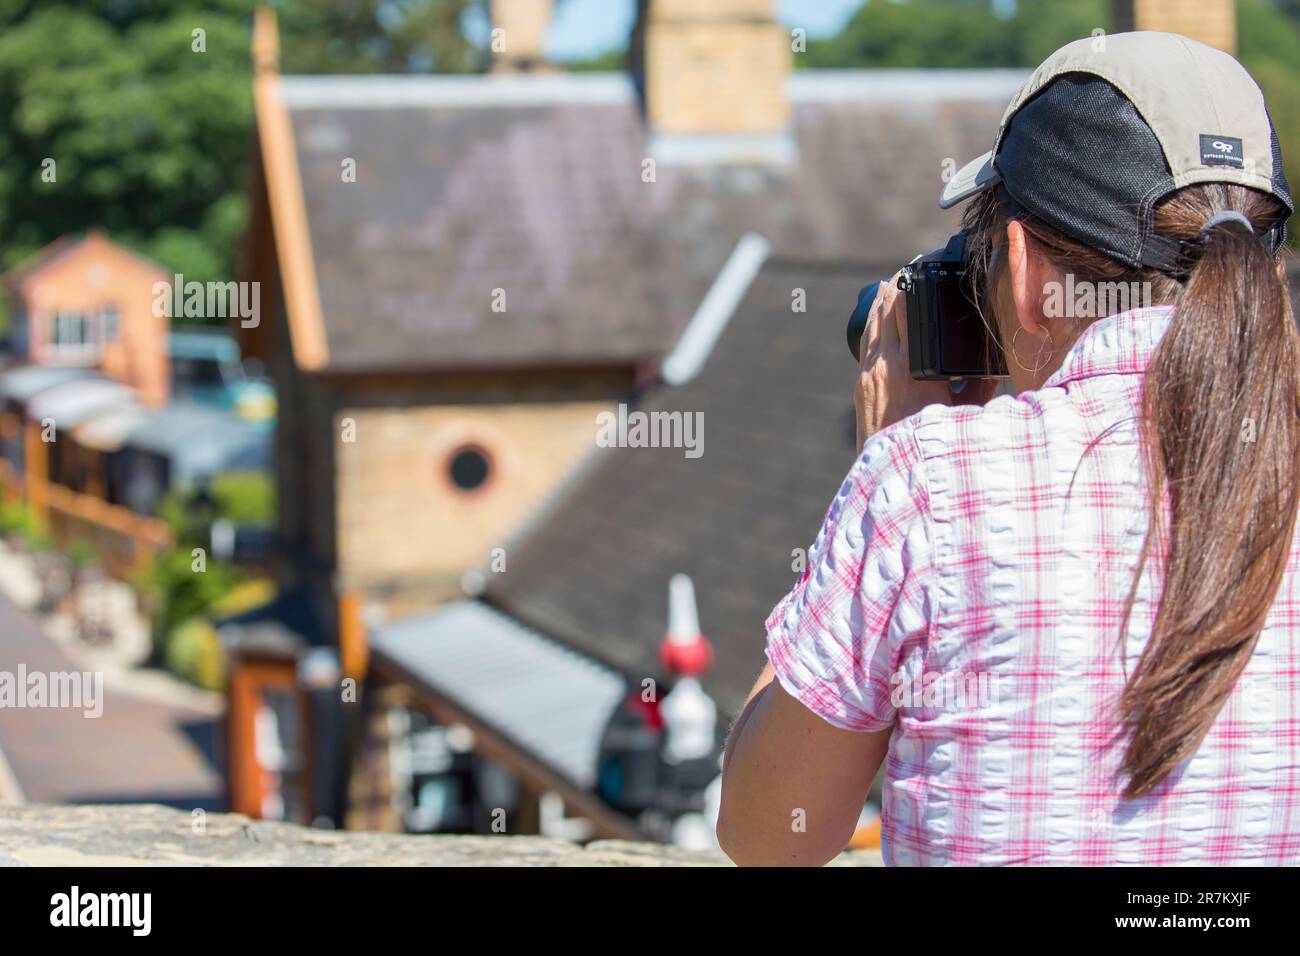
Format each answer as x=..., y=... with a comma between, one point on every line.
x=86, y=301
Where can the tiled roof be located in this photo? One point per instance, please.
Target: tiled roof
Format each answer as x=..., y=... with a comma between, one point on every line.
x=775, y=396
x=534, y=186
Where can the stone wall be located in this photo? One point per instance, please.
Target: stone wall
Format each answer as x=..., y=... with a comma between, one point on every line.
x=146, y=835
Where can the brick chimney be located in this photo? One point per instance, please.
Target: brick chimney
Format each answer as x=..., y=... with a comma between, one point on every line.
x=1213, y=22
x=714, y=71
x=518, y=38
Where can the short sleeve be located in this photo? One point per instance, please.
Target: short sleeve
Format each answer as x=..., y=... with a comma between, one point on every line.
x=836, y=639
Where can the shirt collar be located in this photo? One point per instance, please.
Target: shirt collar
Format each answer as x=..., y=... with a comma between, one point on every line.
x=1120, y=344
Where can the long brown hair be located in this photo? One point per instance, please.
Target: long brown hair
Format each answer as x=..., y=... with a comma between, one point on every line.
x=1220, y=433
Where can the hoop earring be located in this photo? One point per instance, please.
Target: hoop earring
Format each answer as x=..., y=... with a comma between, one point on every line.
x=1016, y=355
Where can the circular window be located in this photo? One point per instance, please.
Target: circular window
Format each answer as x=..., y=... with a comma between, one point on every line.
x=468, y=468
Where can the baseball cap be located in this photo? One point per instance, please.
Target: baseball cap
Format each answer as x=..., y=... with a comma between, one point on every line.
x=1108, y=125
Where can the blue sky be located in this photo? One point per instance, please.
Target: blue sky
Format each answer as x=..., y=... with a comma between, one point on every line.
x=585, y=28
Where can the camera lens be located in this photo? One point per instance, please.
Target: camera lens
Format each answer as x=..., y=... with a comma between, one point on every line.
x=858, y=320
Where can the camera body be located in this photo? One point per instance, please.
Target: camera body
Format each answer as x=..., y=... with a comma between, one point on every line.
x=946, y=335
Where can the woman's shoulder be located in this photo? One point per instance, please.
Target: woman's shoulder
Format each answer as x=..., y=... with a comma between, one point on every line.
x=1005, y=423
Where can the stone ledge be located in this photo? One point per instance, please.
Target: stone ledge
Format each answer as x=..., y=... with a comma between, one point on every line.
x=150, y=835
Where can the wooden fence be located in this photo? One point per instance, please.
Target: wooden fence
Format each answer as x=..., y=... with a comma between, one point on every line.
x=121, y=539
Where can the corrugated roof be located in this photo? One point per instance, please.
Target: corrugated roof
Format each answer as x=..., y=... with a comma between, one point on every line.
x=22, y=384
x=233, y=445
x=551, y=701
x=108, y=430
x=74, y=401
x=200, y=440
x=173, y=426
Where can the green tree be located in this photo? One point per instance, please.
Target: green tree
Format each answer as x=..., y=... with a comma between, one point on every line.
x=917, y=33
x=1268, y=43
x=134, y=122
x=137, y=115
x=377, y=36
x=1043, y=26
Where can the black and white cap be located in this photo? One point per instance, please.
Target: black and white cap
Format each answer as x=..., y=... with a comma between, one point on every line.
x=1107, y=126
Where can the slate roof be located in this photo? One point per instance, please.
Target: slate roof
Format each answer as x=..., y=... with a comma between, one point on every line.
x=593, y=568
x=533, y=185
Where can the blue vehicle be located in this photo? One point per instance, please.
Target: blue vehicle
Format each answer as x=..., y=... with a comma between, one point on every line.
x=206, y=370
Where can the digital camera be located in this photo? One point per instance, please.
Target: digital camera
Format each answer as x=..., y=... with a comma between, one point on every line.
x=946, y=335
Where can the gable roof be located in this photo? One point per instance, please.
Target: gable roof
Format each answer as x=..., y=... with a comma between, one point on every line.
x=778, y=437
x=66, y=247
x=534, y=186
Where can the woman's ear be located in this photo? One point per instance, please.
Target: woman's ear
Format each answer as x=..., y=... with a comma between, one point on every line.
x=1025, y=274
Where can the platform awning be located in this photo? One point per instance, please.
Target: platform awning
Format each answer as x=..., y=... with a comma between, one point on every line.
x=107, y=431
x=73, y=402
x=22, y=384
x=546, y=699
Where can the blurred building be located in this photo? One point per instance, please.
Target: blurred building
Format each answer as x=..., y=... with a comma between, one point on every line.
x=466, y=271
x=87, y=302
x=102, y=407
x=1213, y=22
x=574, y=626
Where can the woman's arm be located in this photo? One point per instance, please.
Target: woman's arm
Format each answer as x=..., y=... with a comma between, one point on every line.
x=793, y=786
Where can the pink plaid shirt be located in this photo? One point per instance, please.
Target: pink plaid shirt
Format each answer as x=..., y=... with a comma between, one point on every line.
x=967, y=590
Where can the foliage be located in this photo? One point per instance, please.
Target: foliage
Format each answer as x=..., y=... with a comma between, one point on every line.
x=1269, y=46
x=149, y=134
x=194, y=653
x=13, y=515
x=146, y=135
x=181, y=592
x=377, y=36
x=172, y=585
x=17, y=517
x=244, y=597
x=240, y=497
x=968, y=33
x=915, y=33
x=81, y=553
x=610, y=61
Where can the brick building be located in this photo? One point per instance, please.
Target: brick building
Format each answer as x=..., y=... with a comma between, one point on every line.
x=87, y=302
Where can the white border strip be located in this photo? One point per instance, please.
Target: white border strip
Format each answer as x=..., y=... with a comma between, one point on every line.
x=719, y=304
x=551, y=89
x=453, y=92
x=905, y=86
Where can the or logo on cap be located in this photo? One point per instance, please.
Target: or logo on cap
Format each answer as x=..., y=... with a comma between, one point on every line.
x=1218, y=150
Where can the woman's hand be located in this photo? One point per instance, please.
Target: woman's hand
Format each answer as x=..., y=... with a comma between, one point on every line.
x=885, y=391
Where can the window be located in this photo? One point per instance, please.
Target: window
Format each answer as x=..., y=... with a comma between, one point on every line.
x=469, y=468
x=108, y=323
x=69, y=329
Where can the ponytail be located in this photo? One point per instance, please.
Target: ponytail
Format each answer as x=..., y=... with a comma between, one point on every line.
x=1220, y=436
x=1221, y=443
